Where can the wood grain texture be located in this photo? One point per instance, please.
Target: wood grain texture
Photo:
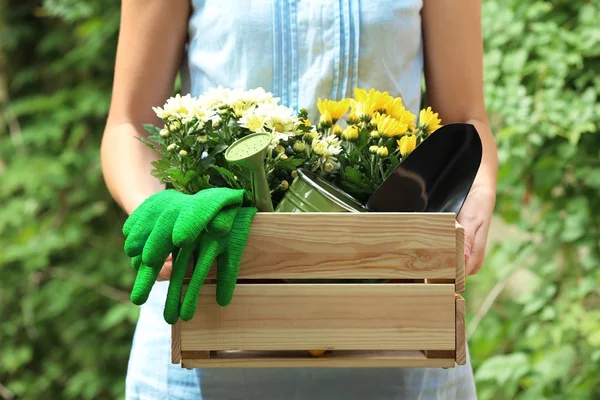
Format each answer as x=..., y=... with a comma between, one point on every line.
x=461, y=338
x=324, y=316
x=460, y=259
x=440, y=354
x=176, y=343
x=337, y=359
x=195, y=355
x=350, y=245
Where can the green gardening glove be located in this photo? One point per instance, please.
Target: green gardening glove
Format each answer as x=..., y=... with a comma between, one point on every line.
x=228, y=251
x=218, y=227
x=167, y=221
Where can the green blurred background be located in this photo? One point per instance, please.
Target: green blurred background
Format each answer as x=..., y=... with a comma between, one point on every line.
x=533, y=311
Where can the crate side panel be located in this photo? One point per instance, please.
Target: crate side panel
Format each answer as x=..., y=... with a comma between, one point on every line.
x=350, y=246
x=324, y=316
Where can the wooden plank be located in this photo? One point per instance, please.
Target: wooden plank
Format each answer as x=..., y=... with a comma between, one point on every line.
x=195, y=355
x=461, y=338
x=440, y=354
x=460, y=259
x=337, y=359
x=324, y=316
x=176, y=343
x=350, y=246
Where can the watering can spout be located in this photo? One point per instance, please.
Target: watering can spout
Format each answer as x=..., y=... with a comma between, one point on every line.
x=249, y=153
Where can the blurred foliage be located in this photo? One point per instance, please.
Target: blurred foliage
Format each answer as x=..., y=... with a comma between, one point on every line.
x=67, y=321
x=541, y=338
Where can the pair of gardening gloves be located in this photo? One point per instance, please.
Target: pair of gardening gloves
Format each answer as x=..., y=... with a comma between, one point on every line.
x=210, y=225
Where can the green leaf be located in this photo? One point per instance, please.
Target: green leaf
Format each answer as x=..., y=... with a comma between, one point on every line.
x=504, y=368
x=290, y=163
x=210, y=159
x=357, y=179
x=228, y=176
x=154, y=133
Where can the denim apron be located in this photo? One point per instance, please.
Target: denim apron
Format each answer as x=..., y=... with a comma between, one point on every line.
x=300, y=50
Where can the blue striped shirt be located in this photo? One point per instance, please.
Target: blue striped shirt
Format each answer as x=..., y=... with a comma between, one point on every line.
x=305, y=49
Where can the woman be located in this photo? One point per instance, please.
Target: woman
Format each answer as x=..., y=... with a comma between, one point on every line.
x=299, y=50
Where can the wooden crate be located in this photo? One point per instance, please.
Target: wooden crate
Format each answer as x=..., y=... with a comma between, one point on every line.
x=416, y=319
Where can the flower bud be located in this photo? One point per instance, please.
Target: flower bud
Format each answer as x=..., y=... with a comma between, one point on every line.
x=350, y=133
x=172, y=147
x=294, y=174
x=202, y=139
x=175, y=126
x=337, y=130
x=183, y=153
x=353, y=118
x=325, y=121
x=283, y=157
x=382, y=151
x=374, y=135
x=164, y=133
x=284, y=185
x=280, y=149
x=319, y=147
x=311, y=135
x=373, y=149
x=299, y=147
x=329, y=166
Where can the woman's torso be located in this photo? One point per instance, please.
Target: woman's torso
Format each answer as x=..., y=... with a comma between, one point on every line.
x=300, y=50
x=305, y=49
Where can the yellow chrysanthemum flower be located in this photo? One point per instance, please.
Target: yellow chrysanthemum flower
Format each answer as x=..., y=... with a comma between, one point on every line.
x=408, y=118
x=395, y=108
x=407, y=144
x=336, y=109
x=375, y=99
x=390, y=127
x=429, y=121
x=363, y=109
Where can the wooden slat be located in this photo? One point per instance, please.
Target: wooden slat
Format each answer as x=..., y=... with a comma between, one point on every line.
x=350, y=245
x=176, y=343
x=324, y=316
x=461, y=338
x=460, y=259
x=440, y=354
x=337, y=359
x=195, y=355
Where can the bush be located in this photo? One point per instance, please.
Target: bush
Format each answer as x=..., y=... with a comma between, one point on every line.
x=67, y=318
x=541, y=338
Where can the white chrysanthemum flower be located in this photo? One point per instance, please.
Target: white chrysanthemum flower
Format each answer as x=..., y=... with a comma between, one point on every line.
x=216, y=120
x=278, y=118
x=312, y=134
x=253, y=121
x=203, y=114
x=327, y=149
x=319, y=147
x=275, y=140
x=177, y=108
x=216, y=98
x=258, y=96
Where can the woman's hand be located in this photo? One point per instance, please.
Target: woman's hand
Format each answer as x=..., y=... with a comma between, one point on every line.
x=167, y=268
x=475, y=217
